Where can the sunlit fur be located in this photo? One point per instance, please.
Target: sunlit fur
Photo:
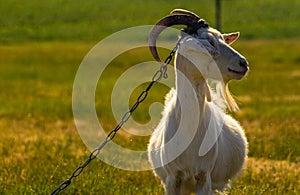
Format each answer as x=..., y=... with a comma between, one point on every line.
x=191, y=172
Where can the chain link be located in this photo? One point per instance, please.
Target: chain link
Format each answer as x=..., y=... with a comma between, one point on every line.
x=158, y=75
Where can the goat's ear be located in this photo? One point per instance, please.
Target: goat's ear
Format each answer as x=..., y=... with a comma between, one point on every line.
x=231, y=37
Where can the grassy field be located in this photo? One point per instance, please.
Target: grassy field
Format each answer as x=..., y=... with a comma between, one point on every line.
x=93, y=20
x=40, y=145
x=42, y=44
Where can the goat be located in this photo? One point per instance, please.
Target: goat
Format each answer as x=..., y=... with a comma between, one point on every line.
x=197, y=147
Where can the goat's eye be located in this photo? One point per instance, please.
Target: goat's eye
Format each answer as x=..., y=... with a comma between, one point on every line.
x=212, y=42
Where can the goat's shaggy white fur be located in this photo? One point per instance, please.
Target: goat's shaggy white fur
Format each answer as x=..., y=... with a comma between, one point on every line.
x=196, y=146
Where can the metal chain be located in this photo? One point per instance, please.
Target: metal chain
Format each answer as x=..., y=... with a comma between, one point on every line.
x=159, y=74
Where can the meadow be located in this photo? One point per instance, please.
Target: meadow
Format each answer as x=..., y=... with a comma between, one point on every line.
x=40, y=54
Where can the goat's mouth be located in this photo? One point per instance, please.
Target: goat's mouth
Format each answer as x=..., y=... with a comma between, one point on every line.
x=240, y=72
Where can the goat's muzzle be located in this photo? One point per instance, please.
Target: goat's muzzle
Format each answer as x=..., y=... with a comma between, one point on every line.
x=241, y=70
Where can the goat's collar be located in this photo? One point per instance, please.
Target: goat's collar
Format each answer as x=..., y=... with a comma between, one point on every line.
x=192, y=28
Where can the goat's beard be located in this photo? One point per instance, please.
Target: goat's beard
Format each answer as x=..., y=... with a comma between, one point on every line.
x=223, y=98
x=229, y=100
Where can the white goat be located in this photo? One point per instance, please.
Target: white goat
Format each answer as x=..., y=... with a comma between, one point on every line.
x=196, y=146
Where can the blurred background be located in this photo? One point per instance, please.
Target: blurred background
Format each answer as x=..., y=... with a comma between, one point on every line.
x=42, y=44
x=93, y=20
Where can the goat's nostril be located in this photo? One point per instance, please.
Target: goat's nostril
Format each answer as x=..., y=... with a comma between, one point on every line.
x=243, y=63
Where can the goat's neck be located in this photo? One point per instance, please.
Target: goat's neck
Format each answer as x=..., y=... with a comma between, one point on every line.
x=190, y=103
x=189, y=86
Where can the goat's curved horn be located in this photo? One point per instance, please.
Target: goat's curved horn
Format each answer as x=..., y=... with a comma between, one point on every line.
x=185, y=12
x=178, y=17
x=163, y=24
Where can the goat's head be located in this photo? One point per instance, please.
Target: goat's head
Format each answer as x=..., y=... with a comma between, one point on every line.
x=197, y=34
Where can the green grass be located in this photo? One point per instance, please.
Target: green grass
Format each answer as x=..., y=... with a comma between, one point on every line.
x=92, y=20
x=40, y=146
x=42, y=44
